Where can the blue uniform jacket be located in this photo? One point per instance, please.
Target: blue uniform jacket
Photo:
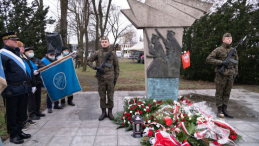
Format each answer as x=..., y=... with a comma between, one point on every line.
x=13, y=73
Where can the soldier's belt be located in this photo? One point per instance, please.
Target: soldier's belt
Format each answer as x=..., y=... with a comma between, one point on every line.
x=17, y=83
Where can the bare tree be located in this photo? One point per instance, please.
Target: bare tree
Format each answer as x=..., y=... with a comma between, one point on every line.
x=101, y=19
x=79, y=20
x=63, y=22
x=117, y=27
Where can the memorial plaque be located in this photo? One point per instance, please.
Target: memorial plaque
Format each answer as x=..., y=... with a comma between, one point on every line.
x=163, y=88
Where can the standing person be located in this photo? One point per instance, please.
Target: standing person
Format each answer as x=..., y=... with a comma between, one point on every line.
x=31, y=83
x=36, y=64
x=50, y=57
x=64, y=53
x=108, y=76
x=224, y=82
x=14, y=95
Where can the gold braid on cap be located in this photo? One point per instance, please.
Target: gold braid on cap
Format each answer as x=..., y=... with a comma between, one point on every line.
x=8, y=36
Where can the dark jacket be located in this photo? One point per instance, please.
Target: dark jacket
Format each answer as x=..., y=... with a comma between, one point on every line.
x=13, y=73
x=31, y=80
x=39, y=64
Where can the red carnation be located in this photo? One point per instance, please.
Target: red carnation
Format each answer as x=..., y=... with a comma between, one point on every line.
x=233, y=137
x=122, y=117
x=129, y=118
x=149, y=105
x=143, y=126
x=150, y=117
x=148, y=109
x=168, y=121
x=176, y=120
x=123, y=113
x=183, y=120
x=131, y=108
x=128, y=114
x=143, y=105
x=122, y=123
x=184, y=114
x=215, y=142
x=140, y=112
x=150, y=132
x=135, y=106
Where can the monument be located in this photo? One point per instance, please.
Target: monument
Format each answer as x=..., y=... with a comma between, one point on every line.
x=163, y=22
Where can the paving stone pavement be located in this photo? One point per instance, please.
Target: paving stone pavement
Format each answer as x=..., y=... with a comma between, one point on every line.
x=79, y=125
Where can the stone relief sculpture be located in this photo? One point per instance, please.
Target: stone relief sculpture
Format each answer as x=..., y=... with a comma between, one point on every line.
x=163, y=65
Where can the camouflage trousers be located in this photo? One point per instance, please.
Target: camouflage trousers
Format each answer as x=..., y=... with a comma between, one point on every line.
x=106, y=88
x=224, y=85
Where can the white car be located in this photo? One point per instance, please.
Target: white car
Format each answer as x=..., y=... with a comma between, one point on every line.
x=118, y=53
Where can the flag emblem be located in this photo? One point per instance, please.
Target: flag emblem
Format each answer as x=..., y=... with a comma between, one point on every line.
x=59, y=81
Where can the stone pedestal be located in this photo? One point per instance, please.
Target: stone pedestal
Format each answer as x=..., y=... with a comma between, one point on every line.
x=163, y=22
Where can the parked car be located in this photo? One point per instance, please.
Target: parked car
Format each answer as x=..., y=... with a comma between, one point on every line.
x=134, y=54
x=118, y=53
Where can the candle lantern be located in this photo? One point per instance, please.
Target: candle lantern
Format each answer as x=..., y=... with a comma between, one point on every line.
x=137, y=124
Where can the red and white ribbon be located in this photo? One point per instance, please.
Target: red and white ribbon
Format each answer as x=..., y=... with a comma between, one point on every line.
x=184, y=128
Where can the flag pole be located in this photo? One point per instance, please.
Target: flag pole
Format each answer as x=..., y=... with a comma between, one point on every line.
x=53, y=63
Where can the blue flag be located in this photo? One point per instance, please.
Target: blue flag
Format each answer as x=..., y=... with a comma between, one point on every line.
x=3, y=83
x=61, y=80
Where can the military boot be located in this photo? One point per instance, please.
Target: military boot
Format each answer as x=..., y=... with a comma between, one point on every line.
x=104, y=115
x=220, y=113
x=226, y=114
x=110, y=114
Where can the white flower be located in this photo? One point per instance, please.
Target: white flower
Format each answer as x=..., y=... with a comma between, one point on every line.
x=157, y=125
x=154, y=100
x=189, y=114
x=144, y=102
x=182, y=116
x=139, y=105
x=190, y=118
x=148, y=121
x=124, y=121
x=124, y=118
x=128, y=122
x=128, y=107
x=145, y=109
x=130, y=111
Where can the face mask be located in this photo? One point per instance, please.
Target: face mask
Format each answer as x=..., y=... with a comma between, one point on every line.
x=51, y=58
x=31, y=55
x=65, y=53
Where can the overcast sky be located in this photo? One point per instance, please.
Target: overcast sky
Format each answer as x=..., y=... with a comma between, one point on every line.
x=55, y=7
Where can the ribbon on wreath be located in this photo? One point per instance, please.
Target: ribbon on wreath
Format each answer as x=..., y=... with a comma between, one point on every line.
x=165, y=139
x=211, y=130
x=184, y=128
x=176, y=109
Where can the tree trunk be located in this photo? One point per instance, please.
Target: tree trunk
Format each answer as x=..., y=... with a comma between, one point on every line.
x=63, y=22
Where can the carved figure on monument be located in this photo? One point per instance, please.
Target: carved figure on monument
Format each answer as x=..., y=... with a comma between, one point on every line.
x=163, y=65
x=173, y=50
x=158, y=67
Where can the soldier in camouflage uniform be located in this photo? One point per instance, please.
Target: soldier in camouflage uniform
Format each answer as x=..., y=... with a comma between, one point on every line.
x=224, y=82
x=108, y=76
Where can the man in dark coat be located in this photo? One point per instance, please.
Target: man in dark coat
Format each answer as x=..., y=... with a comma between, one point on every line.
x=14, y=95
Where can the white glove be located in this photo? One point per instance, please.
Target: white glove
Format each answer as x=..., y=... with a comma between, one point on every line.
x=35, y=72
x=33, y=89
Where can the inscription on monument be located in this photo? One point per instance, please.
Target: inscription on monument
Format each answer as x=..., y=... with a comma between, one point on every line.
x=163, y=88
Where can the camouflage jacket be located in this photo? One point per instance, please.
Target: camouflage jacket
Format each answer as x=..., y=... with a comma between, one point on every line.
x=98, y=57
x=218, y=55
